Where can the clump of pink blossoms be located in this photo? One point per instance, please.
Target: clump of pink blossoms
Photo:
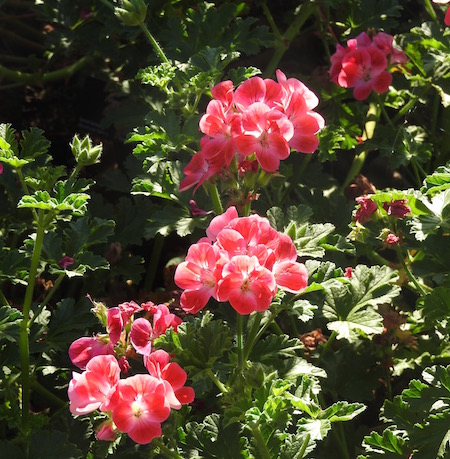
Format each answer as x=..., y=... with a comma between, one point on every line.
x=242, y=261
x=365, y=64
x=262, y=117
x=137, y=404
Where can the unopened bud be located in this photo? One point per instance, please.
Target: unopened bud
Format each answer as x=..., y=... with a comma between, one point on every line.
x=131, y=12
x=85, y=152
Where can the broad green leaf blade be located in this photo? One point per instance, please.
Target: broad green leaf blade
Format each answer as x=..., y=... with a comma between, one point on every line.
x=10, y=319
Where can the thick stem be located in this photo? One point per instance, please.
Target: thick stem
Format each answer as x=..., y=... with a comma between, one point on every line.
x=408, y=272
x=252, y=334
x=46, y=299
x=302, y=451
x=35, y=78
x=239, y=342
x=24, y=351
x=50, y=396
x=284, y=41
x=260, y=443
x=216, y=381
x=3, y=300
x=358, y=160
x=215, y=198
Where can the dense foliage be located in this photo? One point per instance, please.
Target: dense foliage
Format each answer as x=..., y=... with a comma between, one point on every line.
x=246, y=255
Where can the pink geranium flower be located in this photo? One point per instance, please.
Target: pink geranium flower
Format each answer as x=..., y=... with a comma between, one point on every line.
x=397, y=208
x=265, y=132
x=366, y=208
x=143, y=333
x=220, y=221
x=247, y=285
x=197, y=276
x=140, y=405
x=82, y=350
x=365, y=63
x=198, y=170
x=365, y=70
x=93, y=389
x=173, y=376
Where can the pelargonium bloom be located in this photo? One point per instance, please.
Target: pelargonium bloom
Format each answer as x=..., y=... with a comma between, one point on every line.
x=93, y=389
x=366, y=208
x=173, y=376
x=197, y=276
x=246, y=263
x=397, y=208
x=82, y=350
x=365, y=64
x=139, y=407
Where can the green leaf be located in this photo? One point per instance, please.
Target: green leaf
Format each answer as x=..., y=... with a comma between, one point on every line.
x=436, y=305
x=350, y=304
x=437, y=182
x=10, y=319
x=390, y=445
x=33, y=143
x=199, y=343
x=309, y=239
x=210, y=438
x=436, y=218
x=342, y=411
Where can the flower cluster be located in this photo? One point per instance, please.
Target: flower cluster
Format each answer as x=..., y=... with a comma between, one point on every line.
x=139, y=403
x=365, y=63
x=243, y=261
x=262, y=117
x=396, y=208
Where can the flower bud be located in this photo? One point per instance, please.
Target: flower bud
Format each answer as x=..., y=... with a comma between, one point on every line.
x=85, y=152
x=131, y=12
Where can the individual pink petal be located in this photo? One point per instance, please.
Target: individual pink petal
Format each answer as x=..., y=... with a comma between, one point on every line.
x=250, y=91
x=291, y=276
x=220, y=221
x=141, y=336
x=83, y=349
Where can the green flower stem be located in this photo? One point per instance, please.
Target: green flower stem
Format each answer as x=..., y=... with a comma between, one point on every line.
x=50, y=396
x=260, y=443
x=215, y=198
x=239, y=341
x=327, y=346
x=154, y=43
x=306, y=10
x=25, y=190
x=216, y=381
x=358, y=160
x=165, y=450
x=24, y=350
x=339, y=435
x=153, y=265
x=408, y=272
x=430, y=10
x=306, y=160
x=159, y=52
x=3, y=300
x=251, y=336
x=302, y=451
x=46, y=299
x=34, y=78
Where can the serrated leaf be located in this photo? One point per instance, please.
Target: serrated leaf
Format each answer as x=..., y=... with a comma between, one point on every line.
x=390, y=445
x=10, y=319
x=317, y=428
x=33, y=143
x=309, y=239
x=436, y=305
x=437, y=217
x=437, y=182
x=342, y=411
